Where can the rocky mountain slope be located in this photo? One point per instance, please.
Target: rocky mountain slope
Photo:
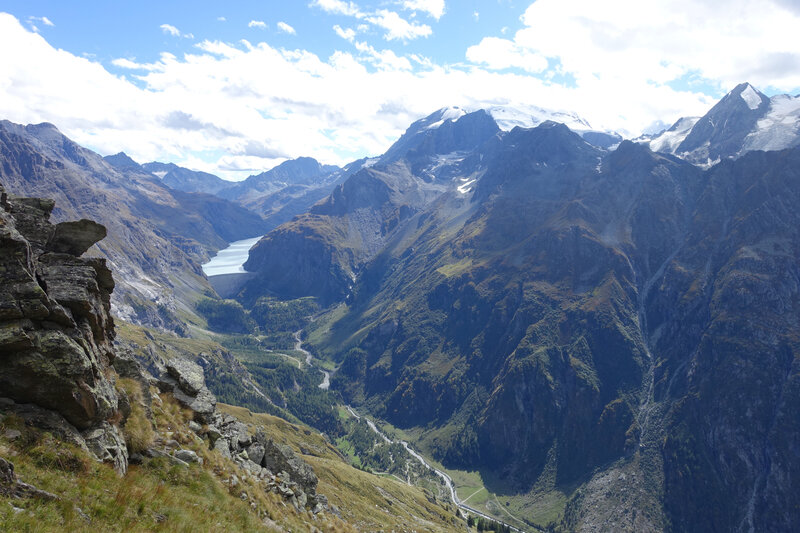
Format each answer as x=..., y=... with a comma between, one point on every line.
x=322, y=250
x=71, y=399
x=564, y=316
x=157, y=237
x=743, y=121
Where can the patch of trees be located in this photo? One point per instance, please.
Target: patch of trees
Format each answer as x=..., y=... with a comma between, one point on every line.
x=226, y=316
x=484, y=524
x=274, y=316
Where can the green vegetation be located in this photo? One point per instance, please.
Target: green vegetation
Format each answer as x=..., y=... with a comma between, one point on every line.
x=371, y=502
x=138, y=430
x=226, y=316
x=275, y=316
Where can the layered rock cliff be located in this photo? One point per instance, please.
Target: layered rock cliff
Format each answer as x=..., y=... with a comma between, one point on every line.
x=56, y=330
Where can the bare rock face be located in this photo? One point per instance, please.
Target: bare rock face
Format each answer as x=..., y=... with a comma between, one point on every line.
x=253, y=450
x=56, y=330
x=186, y=380
x=76, y=237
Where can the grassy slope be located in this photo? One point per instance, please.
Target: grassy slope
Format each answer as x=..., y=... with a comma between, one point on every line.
x=157, y=496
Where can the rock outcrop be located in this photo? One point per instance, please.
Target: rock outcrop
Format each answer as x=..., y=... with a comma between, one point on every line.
x=11, y=486
x=56, y=330
x=277, y=467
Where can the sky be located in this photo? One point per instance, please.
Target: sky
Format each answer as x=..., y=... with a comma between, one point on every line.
x=235, y=88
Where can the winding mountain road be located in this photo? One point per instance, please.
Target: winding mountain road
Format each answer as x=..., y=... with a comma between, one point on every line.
x=448, y=481
x=298, y=346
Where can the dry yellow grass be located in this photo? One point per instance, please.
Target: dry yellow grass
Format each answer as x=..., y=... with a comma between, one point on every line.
x=159, y=496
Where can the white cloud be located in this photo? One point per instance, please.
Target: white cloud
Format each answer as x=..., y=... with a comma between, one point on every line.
x=632, y=42
x=205, y=109
x=397, y=27
x=338, y=7
x=434, y=8
x=169, y=29
x=498, y=54
x=385, y=60
x=282, y=26
x=221, y=19
x=32, y=21
x=476, y=16
x=260, y=24
x=348, y=34
x=131, y=64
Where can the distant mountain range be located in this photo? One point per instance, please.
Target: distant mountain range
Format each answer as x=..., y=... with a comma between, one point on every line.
x=743, y=121
x=157, y=236
x=186, y=180
x=277, y=194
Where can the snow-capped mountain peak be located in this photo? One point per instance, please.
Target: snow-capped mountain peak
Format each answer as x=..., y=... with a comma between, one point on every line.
x=669, y=139
x=509, y=117
x=742, y=121
x=750, y=97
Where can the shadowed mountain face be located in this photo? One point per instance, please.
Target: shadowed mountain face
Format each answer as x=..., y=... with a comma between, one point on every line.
x=724, y=323
x=157, y=237
x=559, y=316
x=743, y=121
x=321, y=251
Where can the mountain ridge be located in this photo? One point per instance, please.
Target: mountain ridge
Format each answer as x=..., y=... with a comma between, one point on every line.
x=750, y=121
x=154, y=243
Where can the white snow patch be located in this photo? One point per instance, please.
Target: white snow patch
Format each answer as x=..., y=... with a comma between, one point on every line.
x=447, y=113
x=529, y=116
x=466, y=187
x=779, y=128
x=509, y=116
x=444, y=160
x=371, y=161
x=750, y=97
x=160, y=174
x=672, y=138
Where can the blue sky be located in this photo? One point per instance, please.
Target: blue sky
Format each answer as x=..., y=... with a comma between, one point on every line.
x=109, y=30
x=235, y=88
